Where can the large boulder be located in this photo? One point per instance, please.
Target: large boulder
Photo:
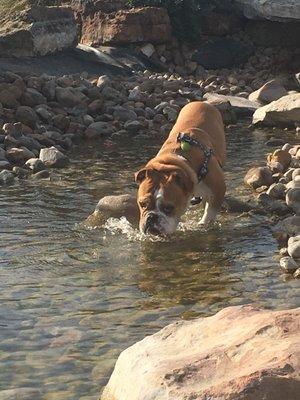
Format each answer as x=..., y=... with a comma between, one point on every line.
x=285, y=111
x=223, y=53
x=241, y=352
x=270, y=91
x=38, y=31
x=258, y=176
x=145, y=24
x=277, y=10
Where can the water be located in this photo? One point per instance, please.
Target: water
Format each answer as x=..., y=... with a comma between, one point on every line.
x=71, y=298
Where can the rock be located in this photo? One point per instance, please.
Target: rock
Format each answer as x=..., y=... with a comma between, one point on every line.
x=133, y=127
x=115, y=207
x=35, y=164
x=38, y=31
x=258, y=176
x=288, y=264
x=294, y=184
x=295, y=172
x=2, y=155
x=9, y=93
x=216, y=23
x=48, y=90
x=277, y=10
x=274, y=34
x=137, y=25
x=270, y=91
x=294, y=247
x=19, y=155
x=25, y=393
x=32, y=98
x=234, y=205
x=4, y=164
x=26, y=115
x=95, y=107
x=41, y=174
x=286, y=228
x=148, y=50
x=272, y=205
x=53, y=158
x=225, y=108
x=223, y=53
x=6, y=177
x=124, y=115
x=285, y=111
x=242, y=352
x=103, y=81
x=297, y=273
x=171, y=113
x=277, y=191
x=279, y=161
x=70, y=97
x=293, y=199
x=101, y=128
x=241, y=106
x=20, y=172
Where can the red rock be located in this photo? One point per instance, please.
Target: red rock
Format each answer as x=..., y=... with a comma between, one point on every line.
x=241, y=352
x=145, y=24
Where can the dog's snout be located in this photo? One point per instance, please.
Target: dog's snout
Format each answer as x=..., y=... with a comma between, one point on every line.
x=151, y=223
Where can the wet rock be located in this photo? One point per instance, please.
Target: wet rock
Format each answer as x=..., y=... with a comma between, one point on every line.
x=48, y=90
x=13, y=129
x=2, y=155
x=21, y=172
x=270, y=91
x=295, y=183
x=41, y=174
x=277, y=191
x=293, y=199
x=25, y=393
x=173, y=361
x=115, y=207
x=35, y=164
x=53, y=158
x=103, y=81
x=6, y=177
x=234, y=205
x=258, y=176
x=285, y=111
x=19, y=155
x=288, y=264
x=294, y=247
x=26, y=115
x=295, y=172
x=223, y=53
x=10, y=95
x=70, y=97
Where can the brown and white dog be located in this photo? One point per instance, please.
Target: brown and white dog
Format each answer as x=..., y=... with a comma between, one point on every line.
x=169, y=181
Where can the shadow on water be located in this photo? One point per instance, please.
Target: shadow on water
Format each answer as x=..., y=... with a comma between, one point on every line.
x=71, y=299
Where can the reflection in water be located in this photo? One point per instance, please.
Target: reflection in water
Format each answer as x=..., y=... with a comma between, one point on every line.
x=71, y=299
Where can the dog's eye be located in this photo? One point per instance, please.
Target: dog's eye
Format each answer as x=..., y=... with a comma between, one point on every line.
x=168, y=209
x=143, y=204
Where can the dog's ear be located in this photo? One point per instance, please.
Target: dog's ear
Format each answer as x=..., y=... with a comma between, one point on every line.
x=182, y=180
x=140, y=175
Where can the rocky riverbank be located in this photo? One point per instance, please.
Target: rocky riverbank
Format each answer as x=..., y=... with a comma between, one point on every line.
x=48, y=112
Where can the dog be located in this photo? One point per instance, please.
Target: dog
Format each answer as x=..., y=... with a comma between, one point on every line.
x=189, y=164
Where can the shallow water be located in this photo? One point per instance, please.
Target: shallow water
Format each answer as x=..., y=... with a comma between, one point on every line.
x=73, y=298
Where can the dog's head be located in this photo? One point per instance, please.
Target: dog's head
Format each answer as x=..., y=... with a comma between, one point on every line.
x=163, y=196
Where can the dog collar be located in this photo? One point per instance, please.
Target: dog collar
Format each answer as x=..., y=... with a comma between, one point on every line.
x=186, y=142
